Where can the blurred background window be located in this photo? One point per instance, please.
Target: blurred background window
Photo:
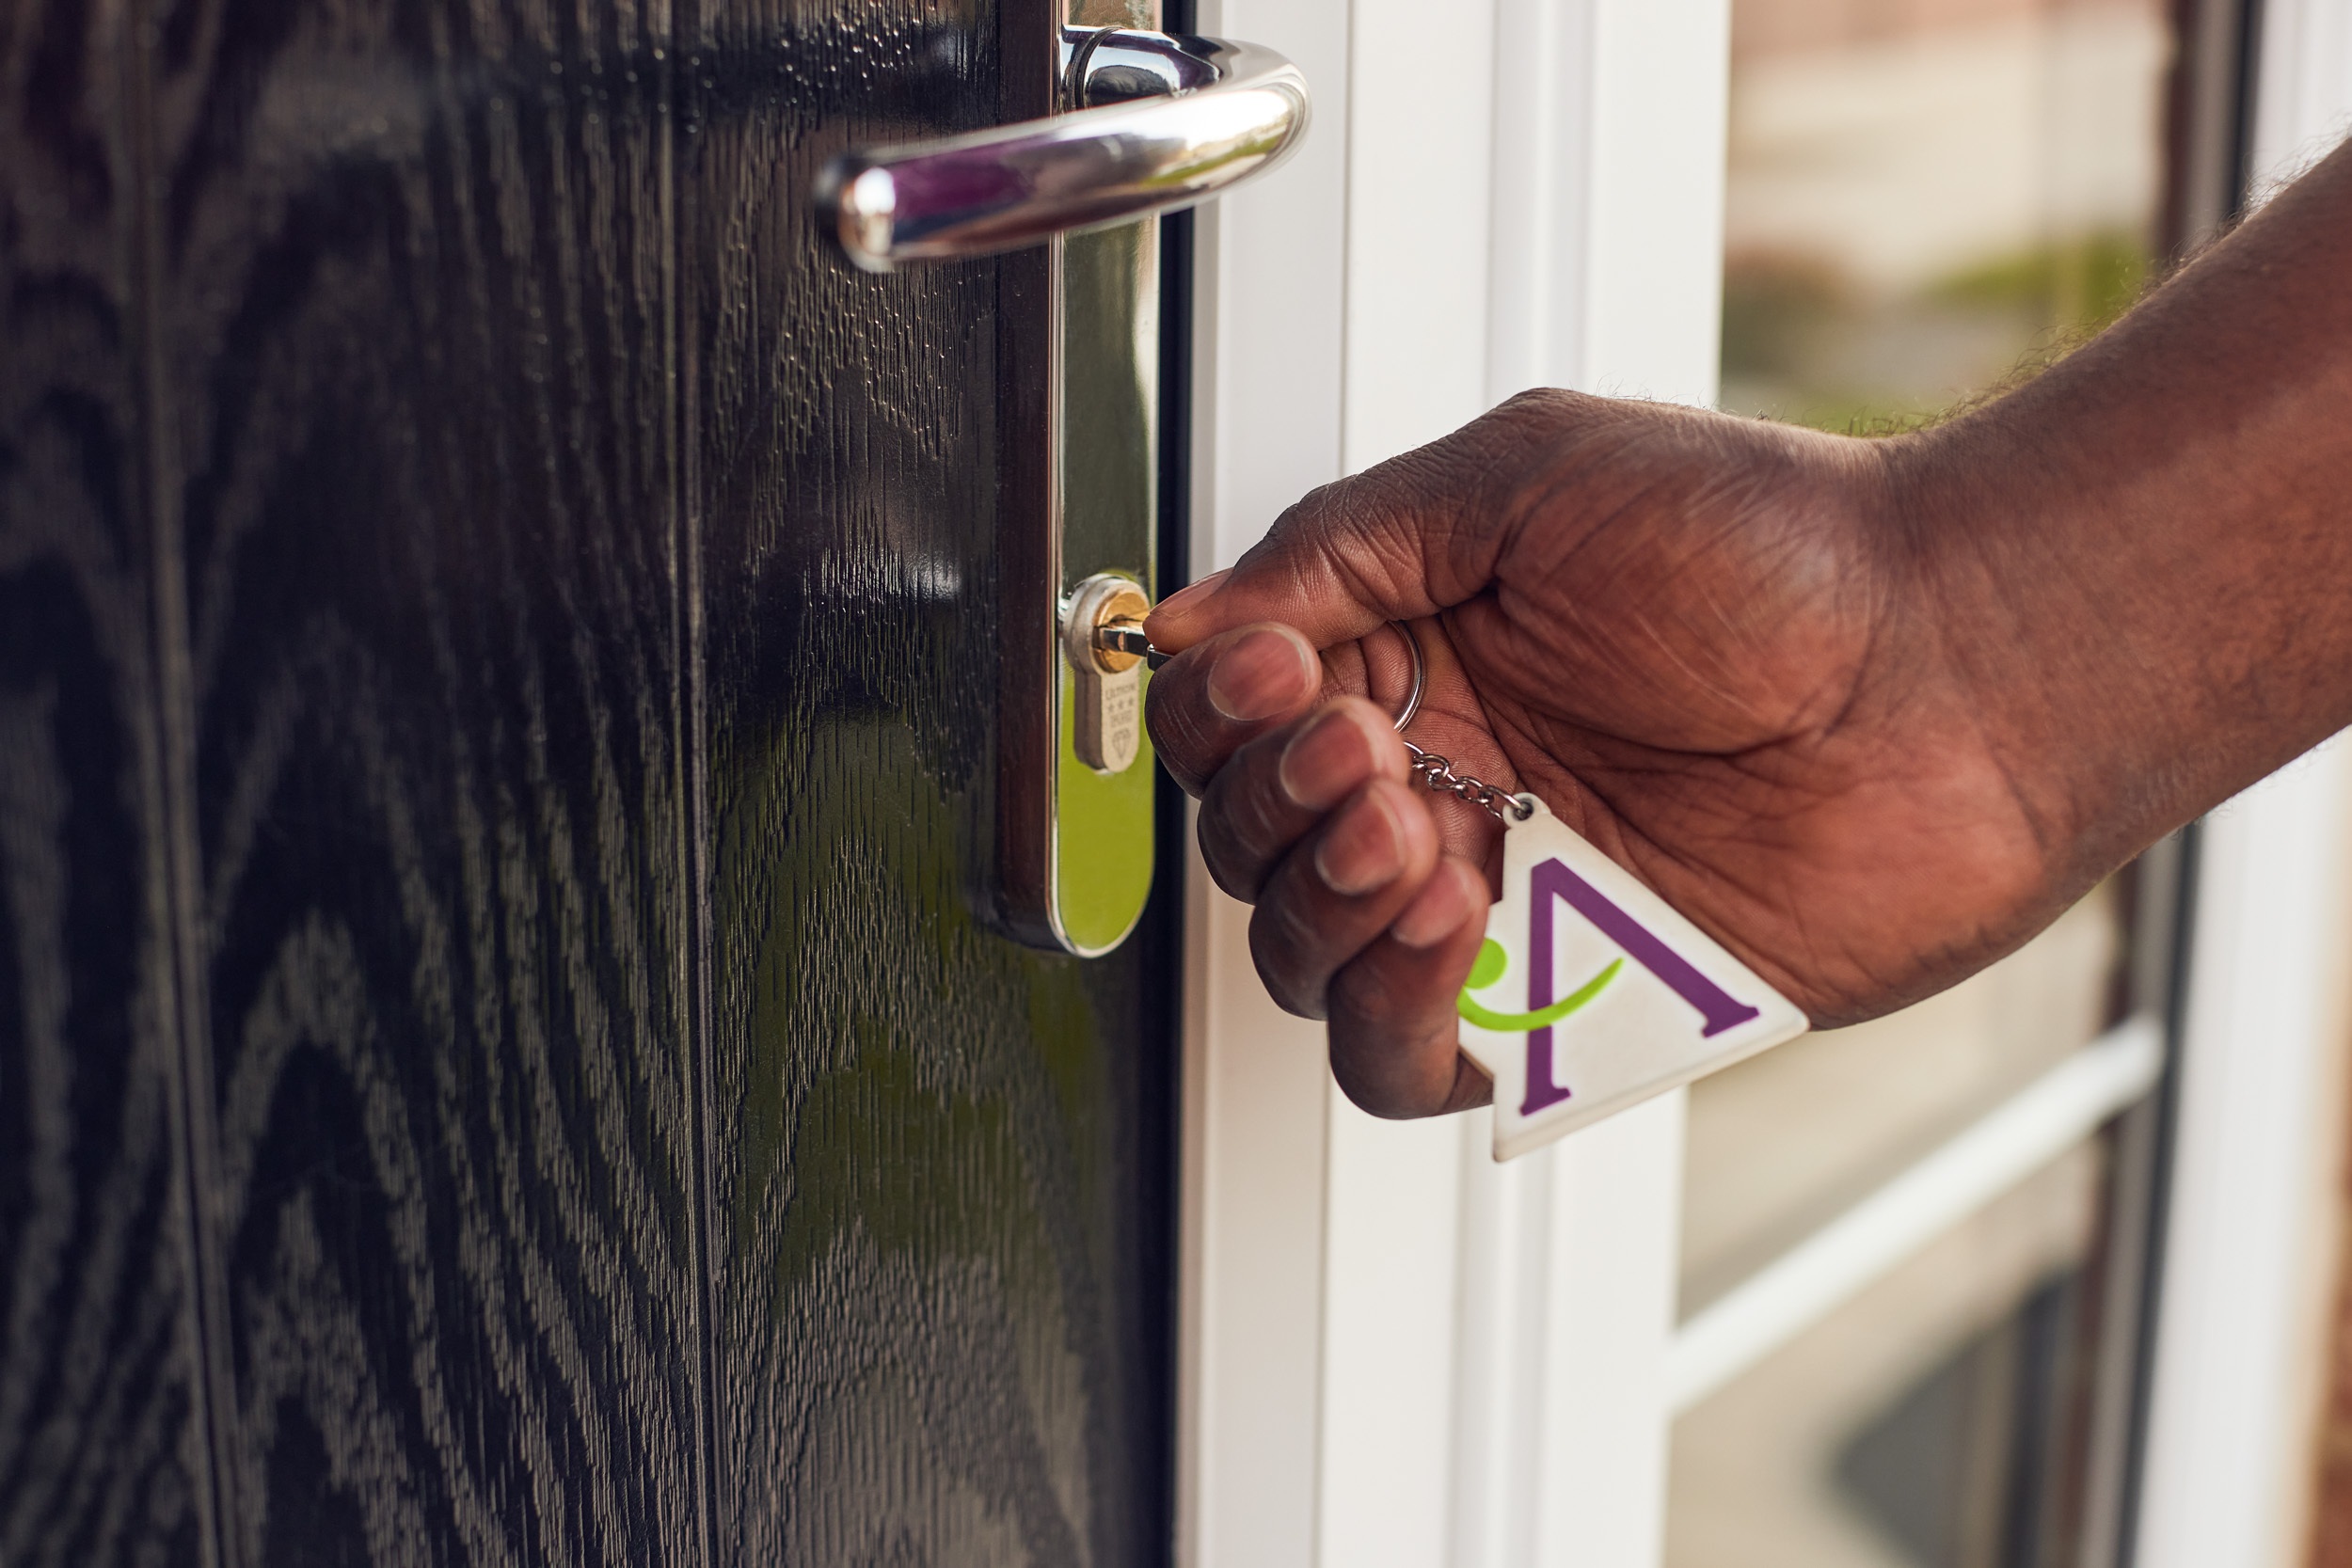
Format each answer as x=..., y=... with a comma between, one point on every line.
x=1927, y=199
x=1925, y=194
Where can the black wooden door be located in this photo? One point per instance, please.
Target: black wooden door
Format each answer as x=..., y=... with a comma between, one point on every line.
x=498, y=1063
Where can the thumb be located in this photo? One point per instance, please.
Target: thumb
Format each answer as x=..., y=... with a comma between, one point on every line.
x=1396, y=543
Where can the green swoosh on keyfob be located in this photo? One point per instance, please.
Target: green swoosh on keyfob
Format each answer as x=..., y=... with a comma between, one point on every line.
x=1489, y=969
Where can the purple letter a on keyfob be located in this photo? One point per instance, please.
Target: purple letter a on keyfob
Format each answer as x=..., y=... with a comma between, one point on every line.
x=1551, y=879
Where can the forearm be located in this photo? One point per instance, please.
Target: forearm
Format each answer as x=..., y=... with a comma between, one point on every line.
x=2142, y=561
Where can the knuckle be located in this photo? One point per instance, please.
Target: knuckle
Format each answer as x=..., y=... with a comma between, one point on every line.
x=1545, y=408
x=1284, y=945
x=1396, y=1074
x=1238, y=838
x=1234, y=874
x=1261, y=823
x=1375, y=992
x=1366, y=530
x=1179, y=736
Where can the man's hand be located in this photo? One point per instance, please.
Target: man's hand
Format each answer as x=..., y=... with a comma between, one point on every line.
x=1706, y=643
x=1871, y=713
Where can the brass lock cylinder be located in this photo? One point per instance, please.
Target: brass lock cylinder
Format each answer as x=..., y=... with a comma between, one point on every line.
x=1108, y=732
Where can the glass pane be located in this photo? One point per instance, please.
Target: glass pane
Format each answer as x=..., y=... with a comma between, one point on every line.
x=1788, y=1140
x=1921, y=1424
x=1927, y=198
x=1925, y=193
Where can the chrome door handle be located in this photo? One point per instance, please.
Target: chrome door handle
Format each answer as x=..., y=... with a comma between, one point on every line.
x=1157, y=122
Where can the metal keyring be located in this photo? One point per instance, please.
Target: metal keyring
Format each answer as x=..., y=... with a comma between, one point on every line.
x=1436, y=771
x=1421, y=676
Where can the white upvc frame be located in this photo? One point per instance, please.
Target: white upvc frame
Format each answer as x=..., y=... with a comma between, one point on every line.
x=1269, y=289
x=1900, y=1217
x=1395, y=1352
x=1497, y=194
x=2251, y=1238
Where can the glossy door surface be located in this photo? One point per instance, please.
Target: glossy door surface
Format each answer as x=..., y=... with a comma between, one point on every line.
x=500, y=1056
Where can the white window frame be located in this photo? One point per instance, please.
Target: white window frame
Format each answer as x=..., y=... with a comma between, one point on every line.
x=2252, y=1236
x=1501, y=194
x=1366, y=1306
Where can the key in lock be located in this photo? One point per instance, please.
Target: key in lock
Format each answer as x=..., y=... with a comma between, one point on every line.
x=1102, y=638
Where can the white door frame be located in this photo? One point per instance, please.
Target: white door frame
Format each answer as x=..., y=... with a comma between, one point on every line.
x=1374, y=1317
x=2252, y=1236
x=1393, y=1352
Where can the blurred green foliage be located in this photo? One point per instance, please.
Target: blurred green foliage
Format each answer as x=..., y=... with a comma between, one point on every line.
x=2075, y=288
x=1803, y=344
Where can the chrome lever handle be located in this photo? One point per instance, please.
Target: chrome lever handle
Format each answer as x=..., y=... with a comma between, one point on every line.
x=1159, y=122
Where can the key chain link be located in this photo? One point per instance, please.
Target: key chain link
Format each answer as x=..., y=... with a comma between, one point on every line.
x=1436, y=772
x=1433, y=772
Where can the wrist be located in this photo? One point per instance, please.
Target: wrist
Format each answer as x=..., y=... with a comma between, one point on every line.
x=2041, y=647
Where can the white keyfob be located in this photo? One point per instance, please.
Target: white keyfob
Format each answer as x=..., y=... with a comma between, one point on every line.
x=1590, y=994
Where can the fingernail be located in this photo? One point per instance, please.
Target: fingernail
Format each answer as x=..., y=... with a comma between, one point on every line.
x=1438, y=911
x=1268, y=673
x=1186, y=599
x=1363, y=849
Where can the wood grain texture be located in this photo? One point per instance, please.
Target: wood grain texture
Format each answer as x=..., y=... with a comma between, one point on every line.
x=103, y=1451
x=416, y=308
x=939, y=1171
x=497, y=1061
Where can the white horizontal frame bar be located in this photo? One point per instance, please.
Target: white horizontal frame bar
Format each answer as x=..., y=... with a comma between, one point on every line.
x=1796, y=1289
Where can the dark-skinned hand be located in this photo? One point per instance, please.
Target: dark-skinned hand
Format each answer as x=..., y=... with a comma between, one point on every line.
x=1689, y=635
x=1869, y=712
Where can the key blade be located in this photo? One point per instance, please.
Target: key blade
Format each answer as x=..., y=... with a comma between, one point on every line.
x=1126, y=636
